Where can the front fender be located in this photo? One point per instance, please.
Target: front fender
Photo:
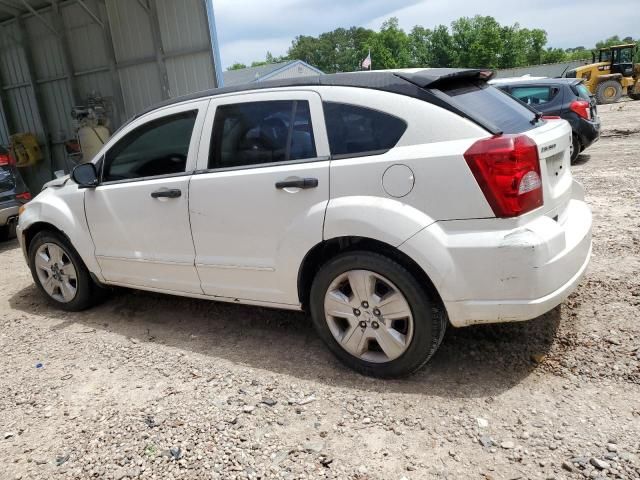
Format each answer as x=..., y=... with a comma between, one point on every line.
x=384, y=219
x=63, y=208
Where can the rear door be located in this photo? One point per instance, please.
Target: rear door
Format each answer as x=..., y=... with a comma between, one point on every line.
x=258, y=201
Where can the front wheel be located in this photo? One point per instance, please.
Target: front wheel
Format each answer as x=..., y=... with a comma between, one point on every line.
x=608, y=91
x=59, y=272
x=374, y=315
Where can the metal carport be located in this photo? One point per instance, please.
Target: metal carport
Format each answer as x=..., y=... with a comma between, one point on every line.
x=134, y=53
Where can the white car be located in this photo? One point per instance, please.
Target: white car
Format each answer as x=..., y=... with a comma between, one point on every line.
x=387, y=204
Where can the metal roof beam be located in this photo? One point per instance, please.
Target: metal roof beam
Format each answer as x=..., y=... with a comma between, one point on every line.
x=10, y=9
x=39, y=17
x=86, y=8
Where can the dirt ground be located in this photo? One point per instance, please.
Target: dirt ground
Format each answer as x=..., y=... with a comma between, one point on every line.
x=153, y=386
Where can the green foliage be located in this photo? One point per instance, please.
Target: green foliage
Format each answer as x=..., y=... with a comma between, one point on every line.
x=237, y=66
x=479, y=41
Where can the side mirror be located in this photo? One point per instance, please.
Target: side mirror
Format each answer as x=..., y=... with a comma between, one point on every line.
x=85, y=175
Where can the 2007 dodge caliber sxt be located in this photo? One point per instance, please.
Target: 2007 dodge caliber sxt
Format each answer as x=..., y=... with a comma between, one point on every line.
x=387, y=204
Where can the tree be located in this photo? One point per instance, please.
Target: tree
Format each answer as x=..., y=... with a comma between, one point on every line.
x=477, y=41
x=480, y=41
x=390, y=47
x=237, y=66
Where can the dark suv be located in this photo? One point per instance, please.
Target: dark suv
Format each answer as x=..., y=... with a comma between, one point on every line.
x=13, y=193
x=566, y=98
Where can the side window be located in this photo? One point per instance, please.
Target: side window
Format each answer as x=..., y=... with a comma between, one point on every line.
x=159, y=147
x=534, y=95
x=255, y=133
x=354, y=130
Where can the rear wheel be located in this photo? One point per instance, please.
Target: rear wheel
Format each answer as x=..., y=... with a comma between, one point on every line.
x=8, y=232
x=575, y=148
x=374, y=315
x=60, y=273
x=608, y=91
x=634, y=96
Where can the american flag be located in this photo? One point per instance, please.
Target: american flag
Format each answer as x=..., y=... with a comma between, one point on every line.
x=366, y=63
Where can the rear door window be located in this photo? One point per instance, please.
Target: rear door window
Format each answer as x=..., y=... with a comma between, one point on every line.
x=534, y=95
x=491, y=105
x=359, y=131
x=255, y=133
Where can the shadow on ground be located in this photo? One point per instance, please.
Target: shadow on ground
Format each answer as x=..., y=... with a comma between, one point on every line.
x=582, y=159
x=6, y=245
x=479, y=361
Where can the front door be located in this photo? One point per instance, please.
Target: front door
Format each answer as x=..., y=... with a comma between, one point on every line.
x=138, y=215
x=258, y=201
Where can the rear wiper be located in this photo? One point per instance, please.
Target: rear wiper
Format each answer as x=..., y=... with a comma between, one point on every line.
x=536, y=118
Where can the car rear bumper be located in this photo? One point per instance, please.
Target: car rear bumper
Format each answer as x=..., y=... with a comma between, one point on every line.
x=8, y=212
x=492, y=276
x=588, y=131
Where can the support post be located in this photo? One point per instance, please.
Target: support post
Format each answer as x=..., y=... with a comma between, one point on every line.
x=67, y=60
x=157, y=43
x=35, y=88
x=118, y=96
x=213, y=39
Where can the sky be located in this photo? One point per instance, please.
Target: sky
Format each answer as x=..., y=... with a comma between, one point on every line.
x=247, y=29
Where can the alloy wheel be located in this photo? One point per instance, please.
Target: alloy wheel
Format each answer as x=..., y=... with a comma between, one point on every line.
x=56, y=272
x=368, y=316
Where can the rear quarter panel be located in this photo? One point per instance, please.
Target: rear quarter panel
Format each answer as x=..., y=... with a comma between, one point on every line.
x=432, y=147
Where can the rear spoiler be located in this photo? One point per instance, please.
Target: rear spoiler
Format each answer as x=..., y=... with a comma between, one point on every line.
x=430, y=81
x=432, y=78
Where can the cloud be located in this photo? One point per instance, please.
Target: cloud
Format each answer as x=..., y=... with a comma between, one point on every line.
x=247, y=29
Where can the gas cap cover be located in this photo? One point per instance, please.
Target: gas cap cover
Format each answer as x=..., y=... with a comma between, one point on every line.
x=398, y=180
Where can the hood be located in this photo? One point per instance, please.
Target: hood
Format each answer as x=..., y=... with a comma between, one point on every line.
x=56, y=182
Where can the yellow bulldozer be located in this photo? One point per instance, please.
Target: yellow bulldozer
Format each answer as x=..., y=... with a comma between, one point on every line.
x=614, y=74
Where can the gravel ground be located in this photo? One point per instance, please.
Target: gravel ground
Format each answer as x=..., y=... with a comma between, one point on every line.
x=150, y=386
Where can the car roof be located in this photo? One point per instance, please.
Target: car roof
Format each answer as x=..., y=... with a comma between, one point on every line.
x=401, y=81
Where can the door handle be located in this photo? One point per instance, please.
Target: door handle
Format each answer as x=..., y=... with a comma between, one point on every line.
x=170, y=193
x=299, y=183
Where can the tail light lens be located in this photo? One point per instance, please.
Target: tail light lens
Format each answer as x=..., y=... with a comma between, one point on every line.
x=6, y=160
x=582, y=108
x=23, y=197
x=551, y=117
x=507, y=169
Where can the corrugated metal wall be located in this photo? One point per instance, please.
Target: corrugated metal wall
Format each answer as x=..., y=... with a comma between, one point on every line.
x=149, y=52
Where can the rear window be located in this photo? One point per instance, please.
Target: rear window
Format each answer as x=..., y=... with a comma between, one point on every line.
x=359, y=131
x=583, y=92
x=491, y=105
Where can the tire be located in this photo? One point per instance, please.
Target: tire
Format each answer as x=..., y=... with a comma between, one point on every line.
x=634, y=96
x=8, y=232
x=422, y=330
x=576, y=148
x=608, y=91
x=86, y=294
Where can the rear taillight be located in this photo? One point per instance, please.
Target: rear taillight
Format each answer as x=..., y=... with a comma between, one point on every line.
x=551, y=117
x=23, y=197
x=6, y=159
x=507, y=169
x=582, y=108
